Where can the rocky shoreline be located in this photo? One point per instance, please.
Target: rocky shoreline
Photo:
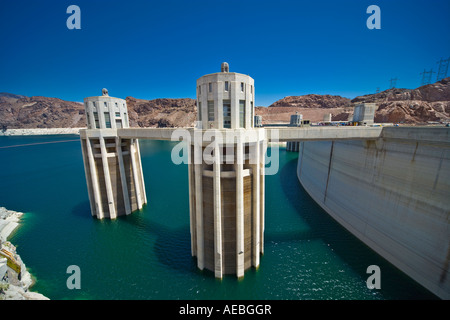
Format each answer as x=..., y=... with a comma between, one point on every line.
x=13, y=285
x=39, y=131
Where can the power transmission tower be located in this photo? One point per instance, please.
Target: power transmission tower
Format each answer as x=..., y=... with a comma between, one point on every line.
x=393, y=83
x=443, y=68
x=426, y=77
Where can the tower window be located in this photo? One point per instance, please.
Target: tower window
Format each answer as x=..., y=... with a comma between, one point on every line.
x=199, y=89
x=107, y=120
x=106, y=105
x=227, y=86
x=199, y=111
x=97, y=124
x=242, y=87
x=210, y=110
x=226, y=113
x=242, y=113
x=210, y=87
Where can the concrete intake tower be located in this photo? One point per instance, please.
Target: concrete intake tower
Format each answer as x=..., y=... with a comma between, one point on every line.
x=226, y=176
x=112, y=165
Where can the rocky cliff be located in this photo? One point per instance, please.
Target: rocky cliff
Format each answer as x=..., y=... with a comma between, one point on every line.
x=412, y=106
x=39, y=112
x=162, y=112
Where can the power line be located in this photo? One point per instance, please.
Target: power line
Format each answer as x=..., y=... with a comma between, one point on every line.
x=426, y=77
x=443, y=68
x=36, y=143
x=393, y=83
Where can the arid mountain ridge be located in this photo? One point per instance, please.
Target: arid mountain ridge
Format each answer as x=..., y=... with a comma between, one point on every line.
x=410, y=106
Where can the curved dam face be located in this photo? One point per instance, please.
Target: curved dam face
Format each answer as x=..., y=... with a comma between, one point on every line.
x=393, y=193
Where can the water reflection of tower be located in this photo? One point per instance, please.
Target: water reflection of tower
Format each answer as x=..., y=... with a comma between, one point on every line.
x=296, y=121
x=226, y=176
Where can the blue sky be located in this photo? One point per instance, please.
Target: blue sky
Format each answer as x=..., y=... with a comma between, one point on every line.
x=158, y=49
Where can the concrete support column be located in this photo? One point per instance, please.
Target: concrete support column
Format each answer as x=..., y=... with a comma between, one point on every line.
x=198, y=168
x=218, y=270
x=248, y=109
x=123, y=179
x=234, y=99
x=112, y=115
x=239, y=209
x=87, y=176
x=191, y=177
x=137, y=185
x=204, y=101
x=262, y=184
x=90, y=111
x=256, y=205
x=101, y=114
x=109, y=191
x=94, y=179
x=218, y=102
x=138, y=149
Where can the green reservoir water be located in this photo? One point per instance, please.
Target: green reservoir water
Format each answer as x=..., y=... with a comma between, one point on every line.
x=147, y=255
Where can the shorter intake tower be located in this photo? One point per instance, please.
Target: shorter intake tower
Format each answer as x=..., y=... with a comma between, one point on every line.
x=112, y=165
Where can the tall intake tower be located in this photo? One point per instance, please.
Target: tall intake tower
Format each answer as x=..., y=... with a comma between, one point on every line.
x=226, y=176
x=112, y=165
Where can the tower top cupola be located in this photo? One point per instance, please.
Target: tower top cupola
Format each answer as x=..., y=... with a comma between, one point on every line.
x=225, y=100
x=225, y=67
x=105, y=112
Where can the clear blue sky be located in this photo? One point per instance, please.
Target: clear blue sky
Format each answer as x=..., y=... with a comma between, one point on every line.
x=158, y=49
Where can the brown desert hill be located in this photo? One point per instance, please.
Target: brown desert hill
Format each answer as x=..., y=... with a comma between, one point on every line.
x=312, y=101
x=412, y=106
x=162, y=112
x=39, y=112
x=429, y=103
x=312, y=106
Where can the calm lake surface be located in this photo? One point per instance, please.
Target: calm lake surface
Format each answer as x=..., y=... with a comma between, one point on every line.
x=147, y=255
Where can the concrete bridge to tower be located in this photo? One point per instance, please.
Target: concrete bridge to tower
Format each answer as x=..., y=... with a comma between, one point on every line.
x=278, y=134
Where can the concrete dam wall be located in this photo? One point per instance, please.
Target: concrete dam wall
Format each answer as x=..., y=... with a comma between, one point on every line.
x=393, y=193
